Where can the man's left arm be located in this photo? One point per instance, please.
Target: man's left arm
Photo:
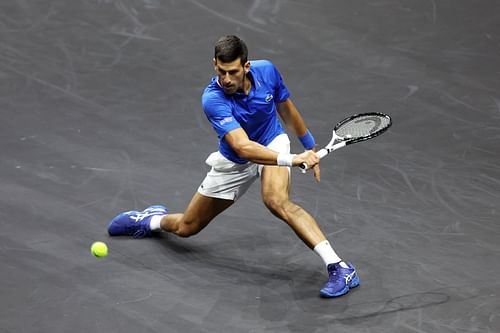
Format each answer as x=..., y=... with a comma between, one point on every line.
x=293, y=120
x=291, y=117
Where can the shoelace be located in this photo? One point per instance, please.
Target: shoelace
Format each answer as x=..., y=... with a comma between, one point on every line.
x=142, y=231
x=334, y=276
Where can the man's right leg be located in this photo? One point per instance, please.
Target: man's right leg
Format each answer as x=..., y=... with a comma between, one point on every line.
x=222, y=186
x=200, y=211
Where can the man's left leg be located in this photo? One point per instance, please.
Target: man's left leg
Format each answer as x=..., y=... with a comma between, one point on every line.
x=275, y=194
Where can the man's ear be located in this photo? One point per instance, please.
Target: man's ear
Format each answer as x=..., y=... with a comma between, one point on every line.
x=247, y=67
x=214, y=61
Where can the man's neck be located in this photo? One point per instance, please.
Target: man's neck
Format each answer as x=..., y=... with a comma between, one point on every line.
x=247, y=84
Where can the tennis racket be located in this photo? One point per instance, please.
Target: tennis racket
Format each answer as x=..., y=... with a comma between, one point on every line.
x=354, y=129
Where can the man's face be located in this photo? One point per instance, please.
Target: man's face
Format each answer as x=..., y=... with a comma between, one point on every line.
x=231, y=75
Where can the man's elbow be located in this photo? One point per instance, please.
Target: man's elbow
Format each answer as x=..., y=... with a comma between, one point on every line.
x=241, y=152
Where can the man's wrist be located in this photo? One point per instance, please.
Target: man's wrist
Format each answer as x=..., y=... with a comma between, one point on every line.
x=307, y=140
x=285, y=159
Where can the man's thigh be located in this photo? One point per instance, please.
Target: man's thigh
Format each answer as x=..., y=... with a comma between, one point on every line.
x=275, y=181
x=202, y=209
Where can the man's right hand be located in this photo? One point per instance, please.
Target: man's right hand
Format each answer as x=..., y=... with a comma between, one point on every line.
x=309, y=157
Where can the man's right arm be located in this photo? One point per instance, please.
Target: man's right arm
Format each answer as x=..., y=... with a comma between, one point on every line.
x=257, y=153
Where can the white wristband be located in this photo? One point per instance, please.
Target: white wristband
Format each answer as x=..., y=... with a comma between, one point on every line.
x=285, y=159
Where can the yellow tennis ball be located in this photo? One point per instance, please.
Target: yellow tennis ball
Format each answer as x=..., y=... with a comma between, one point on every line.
x=99, y=249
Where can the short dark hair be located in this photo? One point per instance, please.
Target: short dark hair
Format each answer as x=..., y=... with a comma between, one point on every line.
x=229, y=48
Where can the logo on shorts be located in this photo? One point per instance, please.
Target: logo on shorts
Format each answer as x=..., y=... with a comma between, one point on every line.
x=269, y=98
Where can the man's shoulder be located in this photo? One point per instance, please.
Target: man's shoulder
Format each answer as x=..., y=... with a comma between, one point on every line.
x=213, y=90
x=262, y=64
x=264, y=69
x=213, y=97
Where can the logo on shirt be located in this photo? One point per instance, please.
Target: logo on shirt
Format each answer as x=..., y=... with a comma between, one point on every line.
x=269, y=98
x=225, y=121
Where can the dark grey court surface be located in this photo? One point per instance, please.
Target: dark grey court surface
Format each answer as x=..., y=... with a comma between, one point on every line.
x=100, y=113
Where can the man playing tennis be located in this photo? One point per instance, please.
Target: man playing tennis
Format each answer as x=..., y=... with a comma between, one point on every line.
x=242, y=102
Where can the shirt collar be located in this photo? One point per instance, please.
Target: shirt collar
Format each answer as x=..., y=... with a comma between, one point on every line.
x=250, y=76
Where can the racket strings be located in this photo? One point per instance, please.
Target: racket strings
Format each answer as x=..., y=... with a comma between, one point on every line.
x=363, y=126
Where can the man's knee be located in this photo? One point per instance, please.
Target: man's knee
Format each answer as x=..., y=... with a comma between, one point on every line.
x=275, y=202
x=186, y=231
x=189, y=228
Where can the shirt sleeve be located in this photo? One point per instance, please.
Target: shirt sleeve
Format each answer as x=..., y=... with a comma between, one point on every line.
x=220, y=115
x=281, y=92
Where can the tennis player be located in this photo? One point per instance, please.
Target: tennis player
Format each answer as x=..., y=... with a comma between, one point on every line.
x=244, y=102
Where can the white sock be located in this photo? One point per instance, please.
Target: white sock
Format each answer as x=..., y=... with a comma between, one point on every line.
x=326, y=252
x=155, y=223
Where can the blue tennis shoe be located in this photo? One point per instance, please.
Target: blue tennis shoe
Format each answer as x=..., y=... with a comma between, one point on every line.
x=135, y=223
x=340, y=280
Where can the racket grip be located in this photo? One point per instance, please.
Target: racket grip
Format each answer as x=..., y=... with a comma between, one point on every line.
x=321, y=153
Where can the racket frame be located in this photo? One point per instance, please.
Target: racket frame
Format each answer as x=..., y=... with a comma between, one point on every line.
x=366, y=137
x=344, y=141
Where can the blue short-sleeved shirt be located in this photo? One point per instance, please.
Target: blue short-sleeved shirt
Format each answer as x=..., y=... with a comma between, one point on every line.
x=255, y=113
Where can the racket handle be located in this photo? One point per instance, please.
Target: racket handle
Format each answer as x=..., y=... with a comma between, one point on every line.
x=321, y=153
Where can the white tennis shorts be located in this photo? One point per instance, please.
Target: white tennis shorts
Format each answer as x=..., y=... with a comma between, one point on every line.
x=229, y=180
